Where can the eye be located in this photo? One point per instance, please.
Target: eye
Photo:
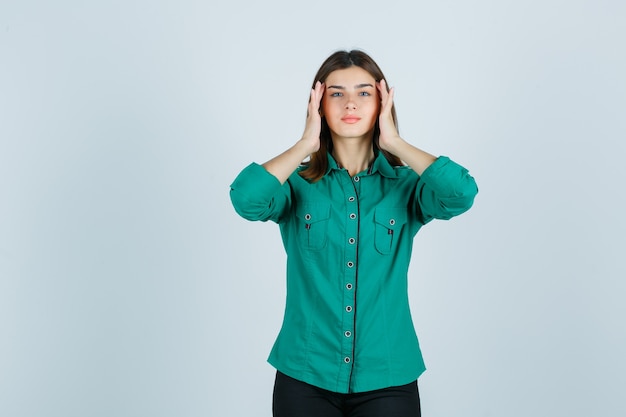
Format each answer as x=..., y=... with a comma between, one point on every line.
x=336, y=95
x=364, y=94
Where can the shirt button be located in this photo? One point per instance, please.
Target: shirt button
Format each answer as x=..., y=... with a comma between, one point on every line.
x=351, y=241
x=349, y=286
x=346, y=359
x=348, y=333
x=352, y=216
x=356, y=179
x=350, y=264
x=392, y=222
x=349, y=309
x=307, y=216
x=351, y=199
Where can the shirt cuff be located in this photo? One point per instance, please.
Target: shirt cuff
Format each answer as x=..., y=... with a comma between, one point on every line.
x=256, y=183
x=444, y=176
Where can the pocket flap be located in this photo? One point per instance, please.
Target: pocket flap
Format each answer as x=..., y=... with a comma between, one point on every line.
x=313, y=212
x=391, y=218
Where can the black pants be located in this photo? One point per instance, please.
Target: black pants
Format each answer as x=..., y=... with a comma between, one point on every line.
x=293, y=398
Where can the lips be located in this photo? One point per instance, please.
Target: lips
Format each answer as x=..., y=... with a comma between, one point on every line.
x=350, y=119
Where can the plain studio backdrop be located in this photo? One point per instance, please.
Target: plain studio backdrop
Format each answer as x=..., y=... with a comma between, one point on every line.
x=129, y=287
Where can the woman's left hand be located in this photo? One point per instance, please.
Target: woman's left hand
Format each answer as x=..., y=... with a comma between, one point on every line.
x=389, y=136
x=389, y=139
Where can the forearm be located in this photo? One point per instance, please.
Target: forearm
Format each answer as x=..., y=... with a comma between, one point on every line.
x=414, y=157
x=283, y=165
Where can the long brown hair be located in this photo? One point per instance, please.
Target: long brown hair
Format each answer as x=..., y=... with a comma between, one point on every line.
x=318, y=163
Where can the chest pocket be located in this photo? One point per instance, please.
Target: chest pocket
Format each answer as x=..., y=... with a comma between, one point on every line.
x=312, y=223
x=388, y=223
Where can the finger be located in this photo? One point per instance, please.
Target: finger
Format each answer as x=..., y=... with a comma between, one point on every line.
x=382, y=89
x=390, y=95
x=319, y=93
x=313, y=105
x=386, y=95
x=386, y=101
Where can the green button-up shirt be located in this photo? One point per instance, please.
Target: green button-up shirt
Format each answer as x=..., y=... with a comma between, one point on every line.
x=347, y=325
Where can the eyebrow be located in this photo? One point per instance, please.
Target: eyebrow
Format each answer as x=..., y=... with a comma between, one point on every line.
x=340, y=87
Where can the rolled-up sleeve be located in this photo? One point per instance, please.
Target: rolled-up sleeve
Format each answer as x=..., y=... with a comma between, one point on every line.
x=258, y=195
x=445, y=190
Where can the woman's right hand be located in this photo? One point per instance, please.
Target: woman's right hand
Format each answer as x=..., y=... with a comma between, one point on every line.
x=284, y=164
x=313, y=127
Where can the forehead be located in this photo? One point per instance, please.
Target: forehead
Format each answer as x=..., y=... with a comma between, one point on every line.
x=349, y=77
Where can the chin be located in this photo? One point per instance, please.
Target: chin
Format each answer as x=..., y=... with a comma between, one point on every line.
x=351, y=134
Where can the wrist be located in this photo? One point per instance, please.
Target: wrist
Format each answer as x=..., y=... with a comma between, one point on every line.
x=391, y=144
x=306, y=146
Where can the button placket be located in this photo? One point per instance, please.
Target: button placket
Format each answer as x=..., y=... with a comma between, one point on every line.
x=350, y=187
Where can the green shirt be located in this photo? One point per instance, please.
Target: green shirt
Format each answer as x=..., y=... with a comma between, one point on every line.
x=347, y=325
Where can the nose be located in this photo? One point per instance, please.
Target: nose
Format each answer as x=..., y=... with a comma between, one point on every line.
x=350, y=104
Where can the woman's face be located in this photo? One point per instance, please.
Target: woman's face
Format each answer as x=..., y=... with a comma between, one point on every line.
x=351, y=104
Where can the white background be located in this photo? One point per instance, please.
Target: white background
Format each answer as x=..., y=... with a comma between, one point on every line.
x=129, y=287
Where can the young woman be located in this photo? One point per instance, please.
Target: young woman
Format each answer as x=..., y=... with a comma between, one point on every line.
x=347, y=217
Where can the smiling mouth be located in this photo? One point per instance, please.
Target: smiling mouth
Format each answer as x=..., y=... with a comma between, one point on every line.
x=350, y=119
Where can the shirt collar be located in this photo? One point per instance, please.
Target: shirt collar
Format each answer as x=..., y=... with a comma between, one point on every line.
x=332, y=164
x=380, y=165
x=383, y=166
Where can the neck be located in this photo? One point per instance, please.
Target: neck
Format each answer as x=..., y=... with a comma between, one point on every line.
x=355, y=156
